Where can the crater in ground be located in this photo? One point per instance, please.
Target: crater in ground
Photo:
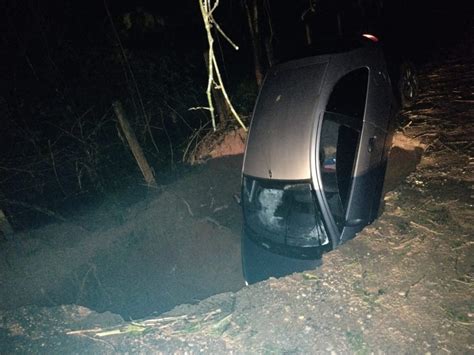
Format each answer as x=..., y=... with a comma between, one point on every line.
x=179, y=245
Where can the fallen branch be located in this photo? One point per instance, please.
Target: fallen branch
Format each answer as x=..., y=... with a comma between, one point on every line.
x=156, y=323
x=194, y=138
x=42, y=210
x=188, y=206
x=84, y=331
x=425, y=228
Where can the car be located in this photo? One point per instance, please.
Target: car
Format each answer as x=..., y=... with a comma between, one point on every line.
x=315, y=158
x=400, y=56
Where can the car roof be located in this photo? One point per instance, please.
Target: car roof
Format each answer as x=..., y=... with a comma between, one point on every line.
x=330, y=45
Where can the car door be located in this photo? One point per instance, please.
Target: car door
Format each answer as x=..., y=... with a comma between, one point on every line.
x=351, y=144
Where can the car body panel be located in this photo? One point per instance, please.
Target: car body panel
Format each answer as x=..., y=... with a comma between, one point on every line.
x=306, y=114
x=283, y=127
x=279, y=140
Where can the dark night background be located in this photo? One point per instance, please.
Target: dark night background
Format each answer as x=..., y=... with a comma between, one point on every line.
x=61, y=68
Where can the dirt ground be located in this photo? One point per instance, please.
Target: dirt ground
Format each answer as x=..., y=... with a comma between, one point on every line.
x=404, y=285
x=179, y=245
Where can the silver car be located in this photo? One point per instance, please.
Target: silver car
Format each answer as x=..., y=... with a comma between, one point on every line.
x=315, y=159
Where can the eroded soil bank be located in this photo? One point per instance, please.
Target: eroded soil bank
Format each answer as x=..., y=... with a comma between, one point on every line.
x=180, y=245
x=404, y=285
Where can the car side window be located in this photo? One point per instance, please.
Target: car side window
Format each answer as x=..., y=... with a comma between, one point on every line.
x=339, y=139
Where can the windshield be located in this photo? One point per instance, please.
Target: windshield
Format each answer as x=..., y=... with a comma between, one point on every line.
x=284, y=213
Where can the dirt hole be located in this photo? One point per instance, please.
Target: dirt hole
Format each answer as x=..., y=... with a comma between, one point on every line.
x=178, y=246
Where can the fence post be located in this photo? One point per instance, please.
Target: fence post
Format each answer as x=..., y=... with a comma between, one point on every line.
x=5, y=226
x=133, y=144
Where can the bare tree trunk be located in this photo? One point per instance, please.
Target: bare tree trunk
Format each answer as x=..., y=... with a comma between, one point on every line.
x=222, y=108
x=269, y=52
x=339, y=24
x=269, y=36
x=309, y=37
x=134, y=145
x=306, y=17
x=252, y=16
x=213, y=72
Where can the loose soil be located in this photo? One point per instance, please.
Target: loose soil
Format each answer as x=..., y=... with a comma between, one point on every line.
x=179, y=245
x=403, y=285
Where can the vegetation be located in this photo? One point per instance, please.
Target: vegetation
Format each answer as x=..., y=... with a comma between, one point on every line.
x=60, y=138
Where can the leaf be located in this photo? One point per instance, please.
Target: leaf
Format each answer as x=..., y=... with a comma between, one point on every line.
x=308, y=276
